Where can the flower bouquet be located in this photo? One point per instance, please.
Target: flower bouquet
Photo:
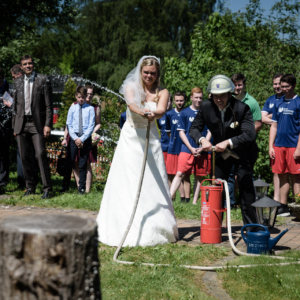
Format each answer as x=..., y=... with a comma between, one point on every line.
x=95, y=139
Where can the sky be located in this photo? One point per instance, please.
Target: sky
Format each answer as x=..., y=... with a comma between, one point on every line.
x=236, y=5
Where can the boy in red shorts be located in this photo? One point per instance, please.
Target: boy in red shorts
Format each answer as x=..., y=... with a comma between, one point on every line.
x=172, y=118
x=285, y=130
x=189, y=158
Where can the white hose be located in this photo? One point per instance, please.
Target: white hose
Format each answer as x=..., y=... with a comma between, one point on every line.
x=202, y=268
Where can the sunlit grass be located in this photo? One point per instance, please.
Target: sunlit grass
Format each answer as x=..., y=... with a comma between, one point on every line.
x=263, y=282
x=142, y=282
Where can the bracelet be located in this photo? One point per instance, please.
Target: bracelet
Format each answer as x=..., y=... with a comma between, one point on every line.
x=65, y=138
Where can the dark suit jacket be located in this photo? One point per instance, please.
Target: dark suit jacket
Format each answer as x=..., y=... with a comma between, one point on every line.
x=242, y=137
x=41, y=103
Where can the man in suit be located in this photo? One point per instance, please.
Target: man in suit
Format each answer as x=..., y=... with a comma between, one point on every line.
x=32, y=122
x=231, y=124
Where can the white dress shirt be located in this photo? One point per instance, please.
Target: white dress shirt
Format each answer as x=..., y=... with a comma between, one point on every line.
x=222, y=111
x=28, y=80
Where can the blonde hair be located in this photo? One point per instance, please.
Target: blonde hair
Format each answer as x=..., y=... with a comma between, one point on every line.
x=151, y=61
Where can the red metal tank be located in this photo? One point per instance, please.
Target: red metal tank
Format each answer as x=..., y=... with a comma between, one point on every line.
x=211, y=213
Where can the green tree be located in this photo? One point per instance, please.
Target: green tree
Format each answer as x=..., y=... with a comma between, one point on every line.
x=228, y=44
x=67, y=99
x=110, y=36
x=22, y=23
x=24, y=16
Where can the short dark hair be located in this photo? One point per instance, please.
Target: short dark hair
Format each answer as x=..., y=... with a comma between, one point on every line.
x=16, y=69
x=237, y=77
x=82, y=90
x=180, y=93
x=277, y=75
x=288, y=78
x=1, y=73
x=25, y=57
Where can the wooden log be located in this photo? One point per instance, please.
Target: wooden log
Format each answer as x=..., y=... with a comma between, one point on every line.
x=49, y=257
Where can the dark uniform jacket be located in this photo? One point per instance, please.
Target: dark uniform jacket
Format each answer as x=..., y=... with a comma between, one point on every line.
x=41, y=103
x=242, y=135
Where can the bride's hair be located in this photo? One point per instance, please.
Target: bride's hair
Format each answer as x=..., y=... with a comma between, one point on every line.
x=151, y=61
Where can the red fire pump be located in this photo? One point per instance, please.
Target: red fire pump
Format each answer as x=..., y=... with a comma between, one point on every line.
x=211, y=210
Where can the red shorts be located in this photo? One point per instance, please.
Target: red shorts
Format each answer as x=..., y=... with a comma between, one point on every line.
x=188, y=163
x=165, y=157
x=285, y=162
x=171, y=163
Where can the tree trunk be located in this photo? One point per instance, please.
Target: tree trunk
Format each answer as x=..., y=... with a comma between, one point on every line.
x=49, y=257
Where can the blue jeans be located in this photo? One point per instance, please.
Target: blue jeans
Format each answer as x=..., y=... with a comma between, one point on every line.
x=231, y=185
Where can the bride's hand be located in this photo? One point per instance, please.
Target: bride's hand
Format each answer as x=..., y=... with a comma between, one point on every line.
x=150, y=116
x=147, y=114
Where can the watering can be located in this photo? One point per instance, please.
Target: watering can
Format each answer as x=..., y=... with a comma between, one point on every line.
x=260, y=242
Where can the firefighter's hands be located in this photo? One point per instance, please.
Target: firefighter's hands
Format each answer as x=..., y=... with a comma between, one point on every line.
x=206, y=145
x=222, y=146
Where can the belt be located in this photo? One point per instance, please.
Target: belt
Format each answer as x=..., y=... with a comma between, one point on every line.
x=28, y=118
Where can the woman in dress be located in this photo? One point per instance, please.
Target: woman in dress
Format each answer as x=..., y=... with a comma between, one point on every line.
x=154, y=222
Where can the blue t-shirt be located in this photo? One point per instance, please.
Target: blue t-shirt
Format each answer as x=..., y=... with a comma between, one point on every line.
x=122, y=119
x=286, y=113
x=164, y=138
x=187, y=117
x=269, y=104
x=172, y=118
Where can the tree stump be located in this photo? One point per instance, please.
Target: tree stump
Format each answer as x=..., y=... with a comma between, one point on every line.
x=49, y=257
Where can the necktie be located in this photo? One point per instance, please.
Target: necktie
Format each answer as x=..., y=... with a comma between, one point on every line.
x=27, y=99
x=80, y=131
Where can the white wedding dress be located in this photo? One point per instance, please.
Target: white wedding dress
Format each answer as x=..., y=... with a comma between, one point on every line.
x=154, y=222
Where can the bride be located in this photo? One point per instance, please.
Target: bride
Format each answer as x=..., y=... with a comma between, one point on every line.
x=154, y=222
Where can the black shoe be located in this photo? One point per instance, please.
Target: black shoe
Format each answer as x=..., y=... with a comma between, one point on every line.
x=63, y=190
x=81, y=192
x=28, y=193
x=46, y=195
x=283, y=212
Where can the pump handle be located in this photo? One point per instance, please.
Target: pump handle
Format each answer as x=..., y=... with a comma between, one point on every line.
x=253, y=225
x=215, y=180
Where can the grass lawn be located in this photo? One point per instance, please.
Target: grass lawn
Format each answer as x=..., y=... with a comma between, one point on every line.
x=142, y=282
x=267, y=283
x=91, y=201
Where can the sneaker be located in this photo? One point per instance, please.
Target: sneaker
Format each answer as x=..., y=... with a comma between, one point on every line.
x=283, y=212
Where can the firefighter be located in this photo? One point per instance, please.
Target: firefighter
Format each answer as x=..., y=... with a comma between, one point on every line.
x=231, y=124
